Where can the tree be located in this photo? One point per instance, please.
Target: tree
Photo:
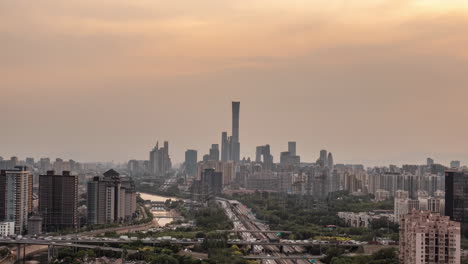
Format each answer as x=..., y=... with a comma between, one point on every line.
x=164, y=259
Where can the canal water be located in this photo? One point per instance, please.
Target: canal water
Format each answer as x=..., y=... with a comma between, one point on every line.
x=159, y=198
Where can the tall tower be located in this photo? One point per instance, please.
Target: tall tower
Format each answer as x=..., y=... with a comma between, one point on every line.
x=224, y=147
x=323, y=157
x=292, y=148
x=235, y=131
x=330, y=161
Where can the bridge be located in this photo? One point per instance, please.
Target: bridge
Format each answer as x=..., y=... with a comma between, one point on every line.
x=175, y=242
x=52, y=244
x=260, y=257
x=255, y=231
x=167, y=216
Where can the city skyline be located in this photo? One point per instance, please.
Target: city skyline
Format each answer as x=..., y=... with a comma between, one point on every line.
x=374, y=82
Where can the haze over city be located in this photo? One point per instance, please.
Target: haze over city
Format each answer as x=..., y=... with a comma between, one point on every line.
x=376, y=82
x=234, y=132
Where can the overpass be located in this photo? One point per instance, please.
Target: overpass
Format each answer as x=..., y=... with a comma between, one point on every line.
x=156, y=241
x=51, y=247
x=261, y=257
x=255, y=231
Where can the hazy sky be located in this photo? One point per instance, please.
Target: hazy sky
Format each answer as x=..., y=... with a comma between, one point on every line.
x=373, y=81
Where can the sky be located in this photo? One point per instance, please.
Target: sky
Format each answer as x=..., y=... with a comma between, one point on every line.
x=375, y=82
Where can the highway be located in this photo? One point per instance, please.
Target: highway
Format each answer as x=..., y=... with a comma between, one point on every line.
x=251, y=241
x=266, y=245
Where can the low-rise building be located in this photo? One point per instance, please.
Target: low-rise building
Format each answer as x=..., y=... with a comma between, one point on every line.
x=365, y=219
x=7, y=229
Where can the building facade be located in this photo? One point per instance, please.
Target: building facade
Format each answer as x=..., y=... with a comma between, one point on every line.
x=159, y=160
x=111, y=198
x=456, y=198
x=191, y=159
x=16, y=189
x=58, y=201
x=427, y=237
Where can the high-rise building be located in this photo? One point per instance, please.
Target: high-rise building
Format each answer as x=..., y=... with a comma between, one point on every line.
x=455, y=164
x=427, y=237
x=30, y=162
x=58, y=201
x=111, y=198
x=16, y=189
x=403, y=206
x=323, y=158
x=264, y=152
x=235, y=143
x=456, y=198
x=191, y=160
x=9, y=164
x=159, y=160
x=224, y=147
x=429, y=162
x=212, y=180
x=292, y=148
x=214, y=152
x=226, y=168
x=330, y=163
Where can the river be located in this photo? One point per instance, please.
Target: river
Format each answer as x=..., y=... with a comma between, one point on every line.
x=159, y=198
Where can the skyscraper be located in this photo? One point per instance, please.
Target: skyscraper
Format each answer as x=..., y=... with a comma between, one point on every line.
x=430, y=162
x=159, y=160
x=214, y=152
x=16, y=197
x=264, y=151
x=224, y=147
x=456, y=198
x=292, y=148
x=58, y=201
x=330, y=163
x=212, y=180
x=235, y=132
x=191, y=160
x=323, y=157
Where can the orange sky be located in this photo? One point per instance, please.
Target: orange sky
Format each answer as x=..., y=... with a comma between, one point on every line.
x=374, y=81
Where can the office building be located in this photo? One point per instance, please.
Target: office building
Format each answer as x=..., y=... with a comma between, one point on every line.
x=212, y=180
x=456, y=198
x=323, y=158
x=226, y=168
x=292, y=148
x=263, y=154
x=430, y=162
x=214, y=152
x=330, y=162
x=34, y=225
x=111, y=198
x=16, y=189
x=191, y=159
x=427, y=237
x=58, y=201
x=230, y=146
x=235, y=144
x=159, y=160
x=9, y=164
x=224, y=147
x=455, y=164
